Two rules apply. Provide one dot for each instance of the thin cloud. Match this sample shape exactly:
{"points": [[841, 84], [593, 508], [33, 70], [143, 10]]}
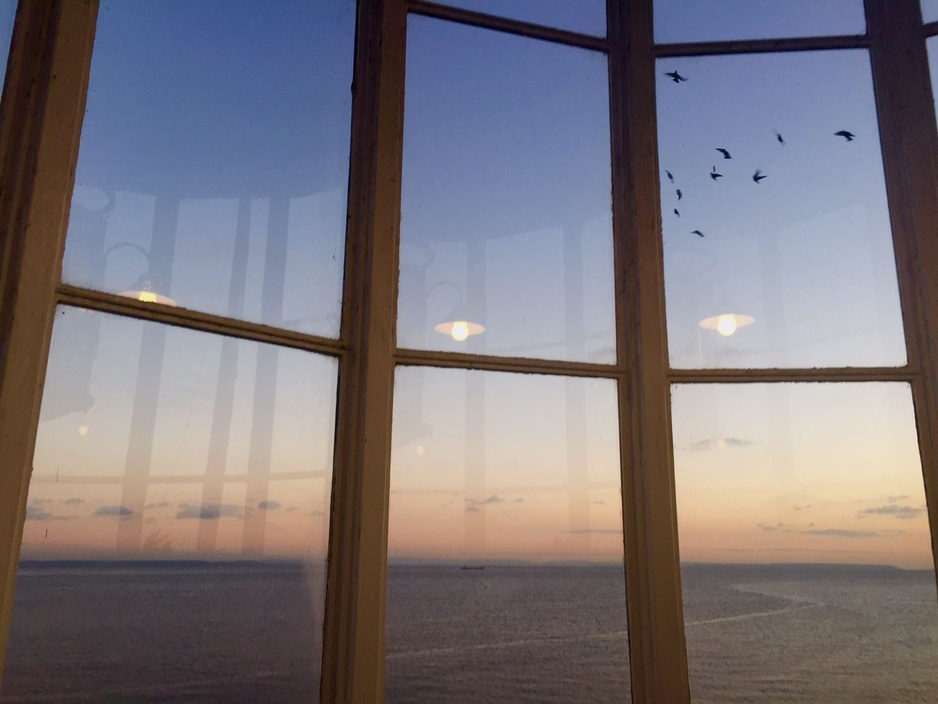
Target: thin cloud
{"points": [[120, 512], [37, 513], [159, 504], [895, 510], [74, 502], [493, 499], [801, 507], [774, 527], [473, 509], [841, 533], [720, 443], [896, 499], [519, 500], [209, 512], [269, 505]]}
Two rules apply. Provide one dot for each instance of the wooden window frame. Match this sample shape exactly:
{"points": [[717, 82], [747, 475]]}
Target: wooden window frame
{"points": [[40, 124]]}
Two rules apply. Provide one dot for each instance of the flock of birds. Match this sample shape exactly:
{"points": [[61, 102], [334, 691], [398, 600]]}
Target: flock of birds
{"points": [[715, 175]]}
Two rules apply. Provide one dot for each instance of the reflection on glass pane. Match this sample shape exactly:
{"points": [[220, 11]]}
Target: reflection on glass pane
{"points": [[505, 581], [506, 215], [805, 546], [7, 15], [586, 16], [789, 229], [933, 67], [719, 20], [214, 177], [180, 497]]}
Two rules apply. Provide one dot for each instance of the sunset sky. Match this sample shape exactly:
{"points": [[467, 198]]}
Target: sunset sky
{"points": [[241, 155]]}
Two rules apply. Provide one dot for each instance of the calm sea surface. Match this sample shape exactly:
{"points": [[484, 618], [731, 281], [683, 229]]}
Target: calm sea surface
{"points": [[249, 633]]}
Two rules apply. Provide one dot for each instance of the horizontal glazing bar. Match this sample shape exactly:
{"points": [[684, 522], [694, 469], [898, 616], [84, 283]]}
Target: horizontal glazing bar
{"points": [[755, 46], [457, 360], [751, 376], [195, 320], [501, 24]]}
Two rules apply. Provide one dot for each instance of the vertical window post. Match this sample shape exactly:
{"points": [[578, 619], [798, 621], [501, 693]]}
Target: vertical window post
{"points": [[910, 160], [653, 581], [353, 661], [43, 107]]}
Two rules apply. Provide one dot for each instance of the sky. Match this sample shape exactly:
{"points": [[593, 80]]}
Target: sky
{"points": [[7, 14], [220, 179]]}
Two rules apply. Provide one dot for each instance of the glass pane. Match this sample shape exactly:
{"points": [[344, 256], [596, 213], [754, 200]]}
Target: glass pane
{"points": [[805, 547], [585, 16], [505, 581], [930, 10], [781, 254], [721, 20], [214, 158], [7, 16], [933, 67], [177, 522], [506, 212]]}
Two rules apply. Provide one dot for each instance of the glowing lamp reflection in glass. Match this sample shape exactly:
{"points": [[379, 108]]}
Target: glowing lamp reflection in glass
{"points": [[727, 323], [459, 330], [146, 294]]}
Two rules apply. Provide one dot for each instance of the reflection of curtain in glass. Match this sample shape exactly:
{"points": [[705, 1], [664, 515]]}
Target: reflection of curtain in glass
{"points": [[265, 379], [147, 390], [575, 392], [224, 391], [71, 375], [475, 536]]}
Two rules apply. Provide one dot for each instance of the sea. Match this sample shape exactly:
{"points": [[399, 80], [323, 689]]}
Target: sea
{"points": [[250, 632]]}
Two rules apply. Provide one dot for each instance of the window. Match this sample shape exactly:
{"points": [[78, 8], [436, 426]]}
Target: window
{"points": [[399, 350]]}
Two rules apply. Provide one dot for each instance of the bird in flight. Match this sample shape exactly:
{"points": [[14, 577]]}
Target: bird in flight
{"points": [[758, 176], [714, 175], [670, 176], [724, 152], [677, 212], [679, 194], [675, 76], [779, 137], [697, 232], [846, 135]]}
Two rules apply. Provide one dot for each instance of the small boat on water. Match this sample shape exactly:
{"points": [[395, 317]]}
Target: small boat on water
{"points": [[472, 567]]}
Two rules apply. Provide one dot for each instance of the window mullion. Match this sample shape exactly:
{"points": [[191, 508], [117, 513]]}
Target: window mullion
{"points": [[910, 161], [653, 583], [353, 649], [42, 115]]}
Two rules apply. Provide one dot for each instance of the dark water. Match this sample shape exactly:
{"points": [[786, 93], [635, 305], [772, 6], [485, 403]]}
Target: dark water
{"points": [[250, 633], [173, 633]]}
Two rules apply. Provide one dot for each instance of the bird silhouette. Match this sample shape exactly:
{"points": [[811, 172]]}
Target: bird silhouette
{"points": [[679, 194], [758, 176], [778, 136], [677, 212], [846, 135], [724, 152], [675, 76], [714, 175], [670, 176], [697, 232]]}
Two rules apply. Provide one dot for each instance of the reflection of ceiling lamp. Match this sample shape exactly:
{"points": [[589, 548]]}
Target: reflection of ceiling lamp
{"points": [[143, 292], [457, 324], [459, 329], [727, 323], [142, 288]]}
